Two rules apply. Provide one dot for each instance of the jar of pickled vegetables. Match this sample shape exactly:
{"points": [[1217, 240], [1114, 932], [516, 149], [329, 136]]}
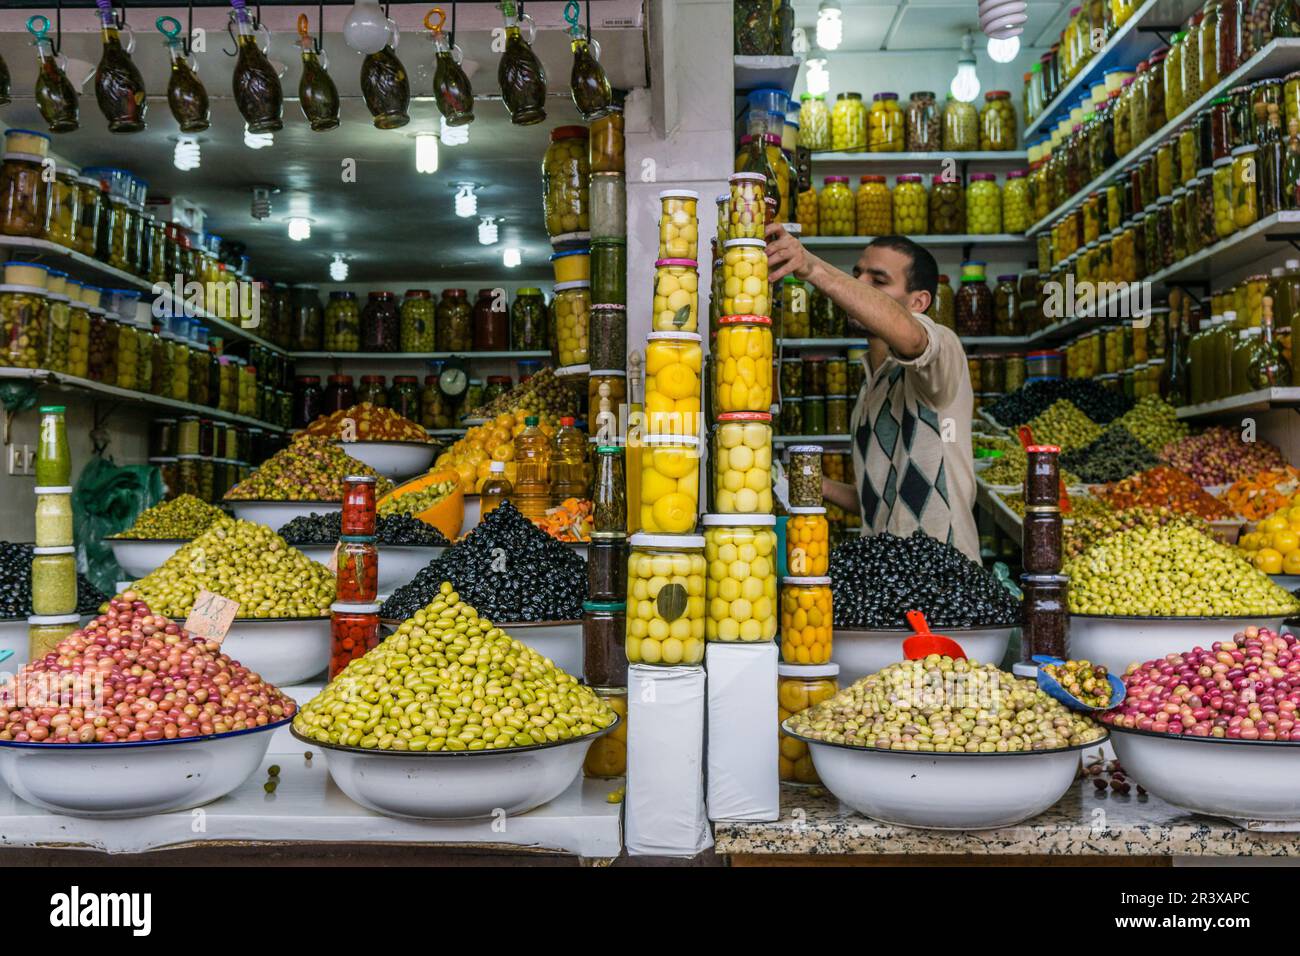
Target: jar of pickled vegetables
{"points": [[454, 322], [65, 208], [849, 122], [572, 304], [806, 620], [23, 311], [527, 321], [1207, 42], [608, 198], [127, 355], [1231, 37], [885, 124], [1245, 185], [605, 149], [1155, 91], [924, 123], [1225, 219], [417, 317], [676, 302], [24, 196], [805, 213], [941, 307], [89, 199], [380, 323], [792, 416], [678, 224], [997, 121], [807, 541], [607, 756], [911, 205], [744, 276], [672, 386], [835, 213], [747, 206], [565, 169], [947, 207], [961, 126], [795, 306], [741, 589], [973, 307], [342, 323], [814, 123], [1016, 213], [742, 356], [666, 581], [983, 204], [874, 207], [800, 686], [742, 463]]}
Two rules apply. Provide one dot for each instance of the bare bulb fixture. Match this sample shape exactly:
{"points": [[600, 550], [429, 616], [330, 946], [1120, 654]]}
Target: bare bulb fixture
{"points": [[830, 25], [339, 268], [367, 28], [257, 140], [261, 206], [1003, 51], [511, 257], [819, 79], [965, 85], [466, 201], [454, 135], [426, 153], [487, 231], [187, 155], [299, 228]]}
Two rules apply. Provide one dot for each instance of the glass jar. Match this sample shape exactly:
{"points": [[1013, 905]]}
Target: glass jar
{"points": [[404, 396], [608, 198], [46, 631], [911, 205], [744, 278], [24, 196], [1173, 76], [1229, 43], [924, 130], [23, 312], [835, 213], [308, 400], [791, 374], [874, 207], [742, 463], [373, 391], [973, 307], [1137, 110], [849, 122], [417, 321], [605, 146], [454, 322], [1245, 186], [607, 336], [607, 756], [342, 323], [997, 121], [381, 323], [961, 126], [491, 321], [741, 589], [1017, 216], [1208, 42], [354, 630], [814, 376], [676, 302], [814, 123], [54, 580], [672, 383], [89, 199], [1206, 205], [128, 355], [798, 688], [885, 124], [742, 356], [340, 394], [1008, 318], [806, 620], [792, 416], [947, 207], [564, 182], [609, 271], [795, 308], [942, 307], [572, 303], [678, 225], [837, 414], [64, 208], [436, 410], [1165, 179], [666, 580], [306, 326], [1224, 205], [983, 204], [528, 330], [746, 206], [1155, 91]]}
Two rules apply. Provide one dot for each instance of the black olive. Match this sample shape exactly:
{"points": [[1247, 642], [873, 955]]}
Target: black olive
{"points": [[16, 584], [389, 529], [1093, 399]]}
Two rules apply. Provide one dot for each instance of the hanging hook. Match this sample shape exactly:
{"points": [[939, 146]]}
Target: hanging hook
{"points": [[588, 12], [572, 13], [189, 29], [38, 32], [320, 26], [442, 19], [451, 38]]}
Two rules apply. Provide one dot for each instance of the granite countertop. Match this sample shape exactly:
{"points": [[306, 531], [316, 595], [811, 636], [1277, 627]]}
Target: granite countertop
{"points": [[1083, 823]]}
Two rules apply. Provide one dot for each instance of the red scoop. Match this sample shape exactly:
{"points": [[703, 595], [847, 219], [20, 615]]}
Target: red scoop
{"points": [[922, 643], [1026, 440]]}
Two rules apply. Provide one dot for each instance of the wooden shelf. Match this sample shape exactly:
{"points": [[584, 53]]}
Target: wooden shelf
{"points": [[415, 356], [1256, 401]]}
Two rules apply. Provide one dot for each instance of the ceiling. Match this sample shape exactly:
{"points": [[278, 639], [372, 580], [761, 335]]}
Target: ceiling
{"points": [[392, 222], [873, 25]]}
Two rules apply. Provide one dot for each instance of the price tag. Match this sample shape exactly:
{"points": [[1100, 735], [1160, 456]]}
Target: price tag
{"points": [[211, 616]]}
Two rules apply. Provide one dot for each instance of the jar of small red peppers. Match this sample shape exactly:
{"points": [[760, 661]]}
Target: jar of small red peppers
{"points": [[357, 579], [358, 505], [354, 630]]}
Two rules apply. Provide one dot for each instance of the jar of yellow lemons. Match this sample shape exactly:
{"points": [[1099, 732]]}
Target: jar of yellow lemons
{"points": [[744, 278], [742, 357], [676, 304], [672, 383], [665, 599], [742, 463], [798, 687], [806, 620], [670, 483], [741, 588]]}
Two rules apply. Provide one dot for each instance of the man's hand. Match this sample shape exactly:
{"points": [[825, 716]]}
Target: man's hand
{"points": [[786, 255]]}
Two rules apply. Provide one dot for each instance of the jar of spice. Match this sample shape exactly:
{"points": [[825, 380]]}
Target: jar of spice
{"points": [[604, 626]]}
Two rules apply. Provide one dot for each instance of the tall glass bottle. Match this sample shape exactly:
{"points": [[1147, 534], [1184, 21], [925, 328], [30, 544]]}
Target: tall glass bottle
{"points": [[532, 470], [520, 73], [317, 94], [496, 489], [256, 83], [55, 96], [588, 83], [4, 81], [119, 87], [568, 463], [1269, 368], [186, 96], [386, 89], [1291, 167], [451, 86], [1175, 370]]}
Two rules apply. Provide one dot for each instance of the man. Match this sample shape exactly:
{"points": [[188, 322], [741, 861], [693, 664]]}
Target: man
{"points": [[911, 421]]}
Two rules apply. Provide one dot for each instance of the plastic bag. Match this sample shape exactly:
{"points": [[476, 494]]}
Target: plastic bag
{"points": [[107, 499]]}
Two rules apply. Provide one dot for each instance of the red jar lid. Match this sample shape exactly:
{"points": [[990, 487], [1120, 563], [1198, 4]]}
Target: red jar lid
{"points": [[499, 380], [1017, 173], [910, 178], [309, 379], [938, 179], [419, 294], [485, 293], [1043, 449], [382, 296], [996, 95], [372, 380], [340, 379], [430, 380], [405, 380], [454, 293], [745, 417], [744, 320], [835, 179], [983, 177], [568, 132], [872, 179]]}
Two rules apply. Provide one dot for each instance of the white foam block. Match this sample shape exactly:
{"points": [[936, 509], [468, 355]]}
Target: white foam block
{"points": [[664, 805], [742, 732]]}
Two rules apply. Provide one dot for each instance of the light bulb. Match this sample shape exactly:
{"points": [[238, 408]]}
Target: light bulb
{"points": [[487, 231], [187, 155], [339, 268], [1003, 51], [454, 135], [830, 28], [965, 85], [466, 201], [819, 80], [299, 228], [257, 140], [426, 153], [511, 257], [366, 28]]}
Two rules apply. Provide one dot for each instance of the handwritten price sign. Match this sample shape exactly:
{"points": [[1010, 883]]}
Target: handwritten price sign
{"points": [[211, 616]]}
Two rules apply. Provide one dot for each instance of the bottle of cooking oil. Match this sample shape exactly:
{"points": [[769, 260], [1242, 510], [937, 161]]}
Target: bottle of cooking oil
{"points": [[496, 489], [568, 463], [532, 470]]}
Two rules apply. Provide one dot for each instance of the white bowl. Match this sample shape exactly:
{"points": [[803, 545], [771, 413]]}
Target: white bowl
{"points": [[1239, 779], [133, 779], [283, 650], [456, 785], [1288, 582], [140, 556], [398, 563], [473, 514], [393, 459], [561, 641], [863, 652], [277, 514], [13, 637], [955, 791], [1117, 642]]}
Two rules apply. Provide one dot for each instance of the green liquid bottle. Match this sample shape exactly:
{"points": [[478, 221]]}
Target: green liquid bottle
{"points": [[53, 459]]}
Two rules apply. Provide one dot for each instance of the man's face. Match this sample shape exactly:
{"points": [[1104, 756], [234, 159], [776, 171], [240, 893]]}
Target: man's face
{"points": [[886, 270]]}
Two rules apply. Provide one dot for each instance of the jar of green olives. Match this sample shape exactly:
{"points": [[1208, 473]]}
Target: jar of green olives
{"points": [[454, 325], [24, 196], [528, 321], [565, 169], [418, 313], [22, 326], [343, 323]]}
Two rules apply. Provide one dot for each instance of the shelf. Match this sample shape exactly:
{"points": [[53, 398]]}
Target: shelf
{"points": [[994, 341], [753, 72], [811, 439], [1278, 57], [1006, 519], [1011, 157], [1243, 248], [412, 356], [72, 383], [446, 432], [1256, 401], [964, 239], [823, 343]]}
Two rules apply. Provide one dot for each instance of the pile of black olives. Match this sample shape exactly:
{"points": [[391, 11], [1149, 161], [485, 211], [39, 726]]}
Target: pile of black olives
{"points": [[1027, 402], [389, 529], [16, 584], [1114, 455]]}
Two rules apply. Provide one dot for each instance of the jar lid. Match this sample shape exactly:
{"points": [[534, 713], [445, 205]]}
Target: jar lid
{"points": [[756, 243], [644, 539], [343, 294], [345, 607], [62, 549], [1017, 173], [670, 439], [673, 336], [808, 670], [805, 449], [1243, 150], [806, 582], [608, 372], [607, 607], [1043, 449], [747, 178], [24, 157], [609, 450], [372, 379], [746, 320], [53, 489], [806, 510], [871, 179], [741, 521], [941, 179], [745, 417], [580, 251], [22, 288], [340, 379], [679, 194], [39, 619], [835, 179], [608, 307], [567, 286], [1225, 160], [423, 293], [909, 178], [568, 132], [689, 263], [380, 294], [983, 177]]}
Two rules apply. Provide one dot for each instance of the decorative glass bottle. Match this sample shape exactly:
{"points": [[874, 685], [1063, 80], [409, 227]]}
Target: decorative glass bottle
{"points": [[55, 96], [317, 94], [186, 96], [256, 82], [119, 87], [451, 87], [520, 73]]}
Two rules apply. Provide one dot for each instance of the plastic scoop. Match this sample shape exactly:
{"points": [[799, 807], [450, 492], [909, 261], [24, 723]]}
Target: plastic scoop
{"points": [[923, 643], [1052, 686], [1026, 442]]}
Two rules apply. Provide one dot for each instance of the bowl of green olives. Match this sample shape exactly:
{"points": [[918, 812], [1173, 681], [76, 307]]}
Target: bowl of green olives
{"points": [[860, 651], [283, 650]]}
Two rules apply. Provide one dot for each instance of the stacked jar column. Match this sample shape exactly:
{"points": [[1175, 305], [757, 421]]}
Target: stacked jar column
{"points": [[354, 617], [54, 565], [1044, 610], [604, 614], [607, 323]]}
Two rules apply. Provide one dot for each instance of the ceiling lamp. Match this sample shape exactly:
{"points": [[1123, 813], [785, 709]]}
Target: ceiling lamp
{"points": [[339, 268], [299, 228], [511, 257], [187, 154], [818, 79], [426, 152], [487, 231], [1003, 51], [257, 140], [466, 201], [261, 205], [367, 29], [830, 28], [965, 85], [454, 135], [1003, 19]]}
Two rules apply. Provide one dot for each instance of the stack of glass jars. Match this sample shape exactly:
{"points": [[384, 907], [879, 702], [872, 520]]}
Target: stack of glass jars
{"points": [[54, 564], [805, 611], [354, 617]]}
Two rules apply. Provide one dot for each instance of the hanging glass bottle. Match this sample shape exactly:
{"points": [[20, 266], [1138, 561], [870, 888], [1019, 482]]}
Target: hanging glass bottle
{"points": [[119, 87], [317, 94], [385, 86], [587, 82], [520, 73], [256, 82], [4, 81], [55, 96], [186, 96], [451, 89]]}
